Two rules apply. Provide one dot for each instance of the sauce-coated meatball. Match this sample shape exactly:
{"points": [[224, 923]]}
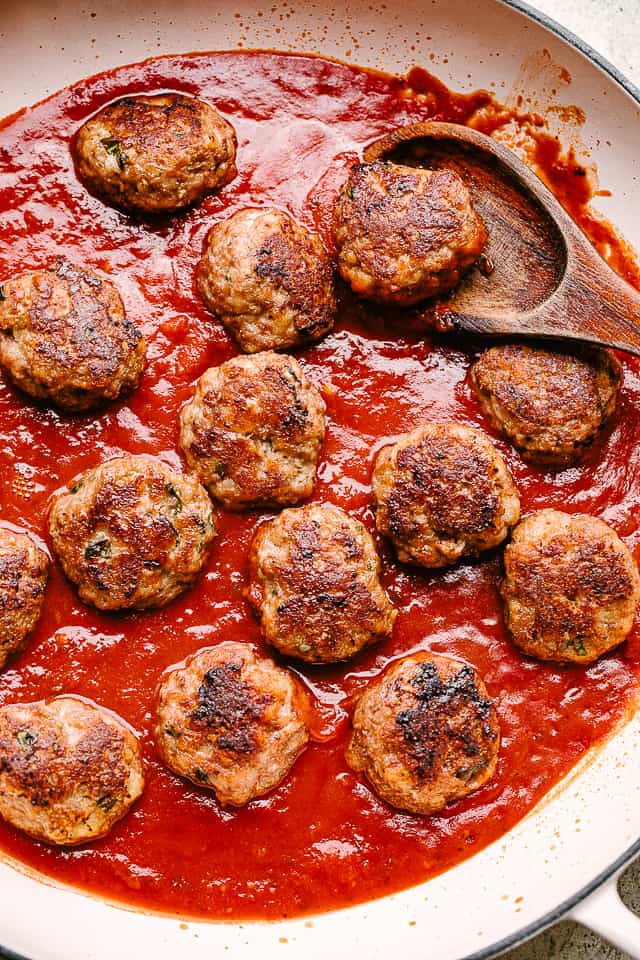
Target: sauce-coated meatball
{"points": [[425, 733], [132, 533], [443, 492], [231, 722], [551, 404], [23, 577], [405, 234], [69, 769], [268, 280], [64, 337], [253, 431], [156, 154], [315, 585], [571, 587]]}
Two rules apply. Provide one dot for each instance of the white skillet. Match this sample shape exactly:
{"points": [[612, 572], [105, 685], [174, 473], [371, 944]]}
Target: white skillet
{"points": [[565, 857]]}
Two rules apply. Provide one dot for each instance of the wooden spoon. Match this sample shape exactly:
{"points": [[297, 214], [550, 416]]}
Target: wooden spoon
{"points": [[547, 279]]}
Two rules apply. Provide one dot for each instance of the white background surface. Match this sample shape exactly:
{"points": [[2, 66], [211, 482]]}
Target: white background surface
{"points": [[612, 27]]}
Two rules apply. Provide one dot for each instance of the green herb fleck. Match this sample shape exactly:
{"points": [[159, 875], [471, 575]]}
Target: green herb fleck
{"points": [[171, 731], [98, 550], [349, 192], [439, 455], [107, 802], [26, 739], [200, 775], [3, 295], [112, 146], [578, 645], [179, 133], [176, 504]]}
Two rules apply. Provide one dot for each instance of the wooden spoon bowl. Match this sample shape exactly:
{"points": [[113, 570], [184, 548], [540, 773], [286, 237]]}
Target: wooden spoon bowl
{"points": [[545, 279]]}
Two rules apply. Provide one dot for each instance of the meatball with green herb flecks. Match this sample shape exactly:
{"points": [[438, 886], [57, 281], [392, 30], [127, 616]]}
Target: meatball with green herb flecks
{"points": [[69, 769], [571, 587], [132, 533], [24, 568], [425, 733], [314, 582], [253, 432], [155, 154], [65, 338], [231, 721]]}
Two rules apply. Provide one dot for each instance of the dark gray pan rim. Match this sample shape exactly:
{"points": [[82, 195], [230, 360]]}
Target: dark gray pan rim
{"points": [[548, 919]]}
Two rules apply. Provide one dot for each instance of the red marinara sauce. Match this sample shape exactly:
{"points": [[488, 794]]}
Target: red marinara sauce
{"points": [[322, 839]]}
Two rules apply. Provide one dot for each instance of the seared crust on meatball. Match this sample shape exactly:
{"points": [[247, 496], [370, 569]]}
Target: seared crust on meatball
{"points": [[132, 533], [314, 582], [232, 722], [69, 769], [24, 568], [443, 492], [253, 432], [156, 154], [571, 587], [550, 403], [404, 233], [64, 337], [268, 280], [425, 733]]}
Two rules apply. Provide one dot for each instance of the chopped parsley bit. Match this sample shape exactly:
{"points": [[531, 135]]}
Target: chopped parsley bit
{"points": [[106, 803], [3, 295], [179, 133], [349, 192], [578, 645], [171, 731], [200, 775], [112, 146], [176, 504], [26, 739], [98, 549]]}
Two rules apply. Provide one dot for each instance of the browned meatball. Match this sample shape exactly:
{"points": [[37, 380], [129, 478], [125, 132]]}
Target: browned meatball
{"points": [[253, 431], [268, 280], [132, 533], [69, 769], [24, 568], [550, 403], [571, 587], [425, 733], [403, 233], [64, 337], [443, 492], [315, 585], [156, 154], [232, 722]]}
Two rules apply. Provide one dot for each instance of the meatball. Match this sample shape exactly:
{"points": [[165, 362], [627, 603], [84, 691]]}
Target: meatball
{"points": [[403, 233], [253, 432], [64, 337], [571, 587], [24, 568], [314, 582], [132, 533], [550, 403], [425, 733], [268, 280], [69, 769], [443, 492], [232, 722], [156, 154]]}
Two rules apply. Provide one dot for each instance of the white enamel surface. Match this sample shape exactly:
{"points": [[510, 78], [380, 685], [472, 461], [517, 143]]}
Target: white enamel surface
{"points": [[579, 832]]}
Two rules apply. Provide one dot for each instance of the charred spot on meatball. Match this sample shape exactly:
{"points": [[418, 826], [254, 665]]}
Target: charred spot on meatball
{"points": [[132, 533], [314, 583], [155, 154], [253, 432], [268, 280], [68, 769], [24, 569], [65, 338], [405, 234], [443, 492], [571, 587], [550, 403], [231, 722], [425, 734]]}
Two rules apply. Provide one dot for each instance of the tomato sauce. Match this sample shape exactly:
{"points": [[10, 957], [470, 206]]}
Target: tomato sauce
{"points": [[321, 840]]}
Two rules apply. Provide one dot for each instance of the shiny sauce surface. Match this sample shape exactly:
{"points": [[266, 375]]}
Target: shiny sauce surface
{"points": [[322, 839]]}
